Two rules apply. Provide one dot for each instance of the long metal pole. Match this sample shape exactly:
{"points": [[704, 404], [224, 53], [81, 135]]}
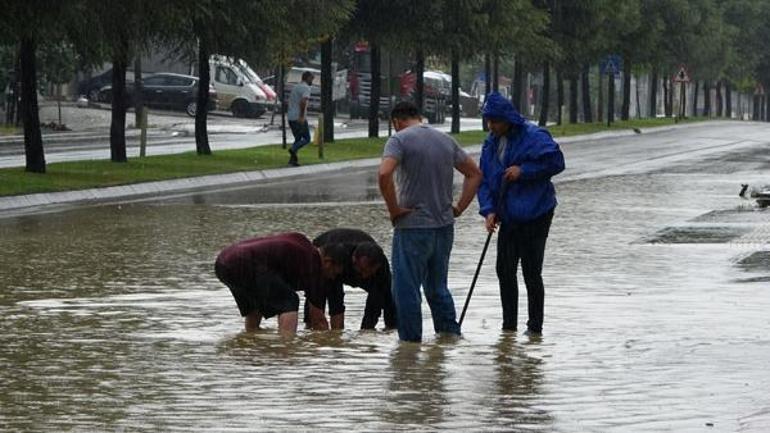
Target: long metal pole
{"points": [[500, 197], [475, 277]]}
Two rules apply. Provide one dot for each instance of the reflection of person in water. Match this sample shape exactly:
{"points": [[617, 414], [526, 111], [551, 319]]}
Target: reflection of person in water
{"points": [[417, 391], [519, 379]]}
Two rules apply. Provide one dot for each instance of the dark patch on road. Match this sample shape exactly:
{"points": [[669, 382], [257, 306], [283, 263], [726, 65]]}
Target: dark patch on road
{"points": [[757, 261], [697, 235]]}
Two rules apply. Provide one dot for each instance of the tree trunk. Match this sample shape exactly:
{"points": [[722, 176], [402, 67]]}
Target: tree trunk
{"points": [[610, 98], [118, 124], [545, 95], [58, 102], [496, 73], [573, 99], [728, 100], [766, 105], [654, 93], [327, 84], [625, 112], [755, 108], [487, 86], [600, 99], [282, 96], [138, 88], [695, 99], [667, 95], [419, 95], [517, 85], [201, 114], [707, 98], [374, 94], [559, 96], [33, 140], [455, 93], [17, 108], [719, 99], [588, 115]]}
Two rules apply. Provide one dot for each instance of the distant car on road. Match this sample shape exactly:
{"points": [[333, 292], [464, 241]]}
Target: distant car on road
{"points": [[166, 90]]}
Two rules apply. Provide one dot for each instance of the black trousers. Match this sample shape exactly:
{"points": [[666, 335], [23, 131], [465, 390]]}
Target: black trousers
{"points": [[523, 242]]}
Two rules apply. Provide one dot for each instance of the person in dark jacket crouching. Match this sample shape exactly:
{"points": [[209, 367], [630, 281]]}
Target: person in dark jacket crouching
{"points": [[518, 160], [366, 267]]}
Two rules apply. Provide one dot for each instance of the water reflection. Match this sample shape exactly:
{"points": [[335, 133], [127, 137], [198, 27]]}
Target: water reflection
{"points": [[519, 381], [416, 391]]}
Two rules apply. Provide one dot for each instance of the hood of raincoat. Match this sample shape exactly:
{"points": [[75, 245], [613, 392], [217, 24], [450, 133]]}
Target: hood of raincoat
{"points": [[499, 107]]}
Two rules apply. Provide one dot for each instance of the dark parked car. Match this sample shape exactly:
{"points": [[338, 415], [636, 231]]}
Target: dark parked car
{"points": [[90, 87], [166, 90]]}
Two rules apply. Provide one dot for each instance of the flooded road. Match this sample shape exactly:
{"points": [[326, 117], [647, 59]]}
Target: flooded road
{"points": [[657, 277]]}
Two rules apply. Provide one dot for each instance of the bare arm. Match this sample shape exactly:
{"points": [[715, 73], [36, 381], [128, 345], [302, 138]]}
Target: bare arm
{"points": [[338, 321], [318, 319], [302, 109], [471, 183], [388, 188]]}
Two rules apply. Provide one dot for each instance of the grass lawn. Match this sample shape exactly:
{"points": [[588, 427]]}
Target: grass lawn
{"points": [[9, 130], [66, 176]]}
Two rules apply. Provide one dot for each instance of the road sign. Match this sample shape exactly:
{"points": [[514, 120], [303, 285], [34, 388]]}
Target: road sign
{"points": [[682, 76], [759, 90], [610, 65]]}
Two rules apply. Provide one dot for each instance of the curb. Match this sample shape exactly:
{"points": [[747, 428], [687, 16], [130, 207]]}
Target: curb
{"points": [[41, 201]]}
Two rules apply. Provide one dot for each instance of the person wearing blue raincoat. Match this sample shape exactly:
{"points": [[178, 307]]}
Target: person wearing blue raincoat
{"points": [[518, 160]]}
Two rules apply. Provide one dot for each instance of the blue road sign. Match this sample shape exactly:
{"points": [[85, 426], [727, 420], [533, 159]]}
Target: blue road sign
{"points": [[611, 64]]}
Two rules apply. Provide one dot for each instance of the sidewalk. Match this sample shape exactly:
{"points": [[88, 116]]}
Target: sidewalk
{"points": [[42, 202]]}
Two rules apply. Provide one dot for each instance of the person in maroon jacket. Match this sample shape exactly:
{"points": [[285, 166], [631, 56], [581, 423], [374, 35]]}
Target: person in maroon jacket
{"points": [[265, 273]]}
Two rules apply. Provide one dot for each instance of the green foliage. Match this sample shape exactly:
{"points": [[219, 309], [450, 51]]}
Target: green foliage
{"points": [[57, 62]]}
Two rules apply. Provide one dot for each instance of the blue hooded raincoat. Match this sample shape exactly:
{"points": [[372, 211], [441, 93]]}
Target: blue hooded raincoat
{"points": [[532, 149]]}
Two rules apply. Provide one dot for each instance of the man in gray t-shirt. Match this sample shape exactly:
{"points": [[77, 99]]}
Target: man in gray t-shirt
{"points": [[299, 99], [423, 161]]}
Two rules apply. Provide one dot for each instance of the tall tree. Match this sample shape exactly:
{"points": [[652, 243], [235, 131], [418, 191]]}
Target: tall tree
{"points": [[121, 30], [28, 24]]}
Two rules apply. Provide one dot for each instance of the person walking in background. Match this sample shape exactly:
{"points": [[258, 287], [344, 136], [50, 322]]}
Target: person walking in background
{"points": [[299, 99], [423, 217], [518, 160]]}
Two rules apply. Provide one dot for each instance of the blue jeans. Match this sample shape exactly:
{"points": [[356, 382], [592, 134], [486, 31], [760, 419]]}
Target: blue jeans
{"points": [[421, 258], [301, 132]]}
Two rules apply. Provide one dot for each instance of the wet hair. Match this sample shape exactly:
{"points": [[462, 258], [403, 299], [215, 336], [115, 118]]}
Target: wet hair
{"points": [[306, 75], [405, 110], [371, 251], [337, 252]]}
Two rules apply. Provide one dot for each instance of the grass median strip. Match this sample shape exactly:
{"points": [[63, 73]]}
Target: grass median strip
{"points": [[68, 176]]}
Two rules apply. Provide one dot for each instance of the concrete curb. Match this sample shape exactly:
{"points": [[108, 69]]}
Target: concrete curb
{"points": [[44, 201], [31, 203]]}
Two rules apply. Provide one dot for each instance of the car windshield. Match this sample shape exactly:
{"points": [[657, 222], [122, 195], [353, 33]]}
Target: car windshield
{"points": [[249, 75]]}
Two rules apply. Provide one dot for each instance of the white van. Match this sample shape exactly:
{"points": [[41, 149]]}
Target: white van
{"points": [[239, 88]]}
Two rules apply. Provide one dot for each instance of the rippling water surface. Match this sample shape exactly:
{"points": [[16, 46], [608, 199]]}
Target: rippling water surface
{"points": [[111, 319]]}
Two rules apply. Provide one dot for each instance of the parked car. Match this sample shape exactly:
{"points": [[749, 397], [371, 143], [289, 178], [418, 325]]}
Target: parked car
{"points": [[239, 88], [90, 87], [166, 90]]}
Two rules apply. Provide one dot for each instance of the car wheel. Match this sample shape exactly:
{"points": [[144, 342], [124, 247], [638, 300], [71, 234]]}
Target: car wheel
{"points": [[192, 108], [240, 108], [258, 112]]}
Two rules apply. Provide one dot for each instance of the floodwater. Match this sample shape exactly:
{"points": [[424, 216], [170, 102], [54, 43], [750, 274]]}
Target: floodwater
{"points": [[111, 318]]}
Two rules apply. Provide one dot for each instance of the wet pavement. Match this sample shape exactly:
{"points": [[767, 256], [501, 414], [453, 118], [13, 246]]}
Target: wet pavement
{"points": [[111, 318]]}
